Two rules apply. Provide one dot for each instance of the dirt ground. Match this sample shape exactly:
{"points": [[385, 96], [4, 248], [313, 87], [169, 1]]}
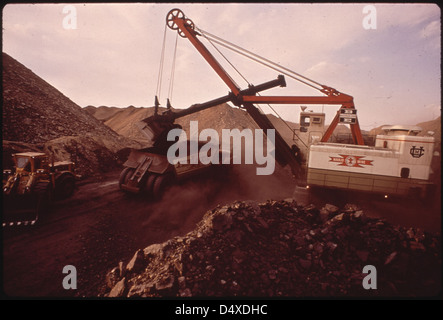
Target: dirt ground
{"points": [[100, 226]]}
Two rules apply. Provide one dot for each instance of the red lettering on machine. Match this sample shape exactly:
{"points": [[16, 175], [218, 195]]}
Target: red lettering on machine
{"points": [[351, 161]]}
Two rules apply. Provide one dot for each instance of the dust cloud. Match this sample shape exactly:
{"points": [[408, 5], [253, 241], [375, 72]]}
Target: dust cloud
{"points": [[183, 205]]}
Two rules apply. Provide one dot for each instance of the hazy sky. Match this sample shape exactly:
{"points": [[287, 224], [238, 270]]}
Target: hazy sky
{"points": [[112, 56]]}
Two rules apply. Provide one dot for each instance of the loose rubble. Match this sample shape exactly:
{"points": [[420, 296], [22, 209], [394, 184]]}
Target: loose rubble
{"points": [[282, 249]]}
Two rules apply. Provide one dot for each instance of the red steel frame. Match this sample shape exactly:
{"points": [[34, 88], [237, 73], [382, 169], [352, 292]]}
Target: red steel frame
{"points": [[332, 96]]}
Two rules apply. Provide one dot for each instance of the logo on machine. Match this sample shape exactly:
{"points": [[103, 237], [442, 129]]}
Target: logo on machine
{"points": [[417, 152], [351, 161]]}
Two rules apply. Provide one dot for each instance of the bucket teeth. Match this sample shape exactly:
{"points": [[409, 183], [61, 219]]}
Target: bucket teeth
{"points": [[19, 223]]}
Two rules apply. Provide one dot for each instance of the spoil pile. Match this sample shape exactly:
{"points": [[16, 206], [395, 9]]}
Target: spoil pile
{"points": [[36, 112], [37, 115], [279, 248], [223, 116]]}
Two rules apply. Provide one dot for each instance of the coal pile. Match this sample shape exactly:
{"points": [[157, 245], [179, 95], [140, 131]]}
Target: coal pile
{"points": [[223, 116], [36, 112], [282, 249], [37, 116], [90, 155]]}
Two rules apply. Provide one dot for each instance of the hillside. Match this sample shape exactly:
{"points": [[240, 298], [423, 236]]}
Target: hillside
{"points": [[224, 116], [122, 120], [432, 126], [219, 117], [36, 113], [102, 113]]}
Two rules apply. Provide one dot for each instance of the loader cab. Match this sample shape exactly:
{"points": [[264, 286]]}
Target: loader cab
{"points": [[30, 161]]}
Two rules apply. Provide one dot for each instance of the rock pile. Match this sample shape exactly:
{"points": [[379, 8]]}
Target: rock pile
{"points": [[38, 115], [36, 112], [223, 116], [281, 249]]}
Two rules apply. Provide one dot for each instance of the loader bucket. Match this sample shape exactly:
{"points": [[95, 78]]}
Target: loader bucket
{"points": [[26, 209], [19, 211]]}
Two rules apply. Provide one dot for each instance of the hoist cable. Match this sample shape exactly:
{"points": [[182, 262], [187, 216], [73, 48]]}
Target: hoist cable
{"points": [[284, 121], [258, 56], [171, 78], [210, 41], [227, 74], [160, 71], [214, 39], [230, 78], [226, 46], [255, 57], [232, 65], [267, 65]]}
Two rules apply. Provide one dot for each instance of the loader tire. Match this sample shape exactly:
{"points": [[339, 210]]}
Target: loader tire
{"points": [[43, 198], [65, 187]]}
